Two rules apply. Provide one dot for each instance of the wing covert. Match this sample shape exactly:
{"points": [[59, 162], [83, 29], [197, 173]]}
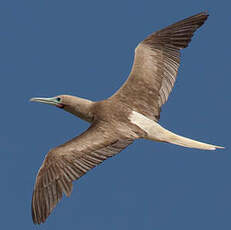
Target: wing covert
{"points": [[155, 66], [68, 162]]}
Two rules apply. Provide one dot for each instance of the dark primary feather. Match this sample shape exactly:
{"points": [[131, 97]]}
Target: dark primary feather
{"points": [[155, 67], [69, 162]]}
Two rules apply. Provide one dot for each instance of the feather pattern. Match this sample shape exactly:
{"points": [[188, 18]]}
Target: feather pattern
{"points": [[155, 66], [147, 88], [69, 162]]}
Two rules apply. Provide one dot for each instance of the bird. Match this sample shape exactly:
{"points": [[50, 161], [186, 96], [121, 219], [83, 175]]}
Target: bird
{"points": [[129, 114]]}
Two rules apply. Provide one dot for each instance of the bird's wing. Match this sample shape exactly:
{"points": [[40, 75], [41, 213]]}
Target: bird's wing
{"points": [[155, 66], [70, 161]]}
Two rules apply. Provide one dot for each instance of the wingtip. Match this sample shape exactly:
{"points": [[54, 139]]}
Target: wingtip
{"points": [[202, 15], [205, 12]]}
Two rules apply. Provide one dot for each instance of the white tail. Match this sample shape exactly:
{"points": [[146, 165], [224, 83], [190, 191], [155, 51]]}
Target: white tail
{"points": [[162, 134], [158, 133]]}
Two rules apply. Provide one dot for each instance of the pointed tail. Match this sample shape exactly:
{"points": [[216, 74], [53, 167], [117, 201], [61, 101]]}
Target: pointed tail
{"points": [[158, 133]]}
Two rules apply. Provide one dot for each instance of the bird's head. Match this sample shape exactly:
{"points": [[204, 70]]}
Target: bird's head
{"points": [[78, 106], [58, 101]]}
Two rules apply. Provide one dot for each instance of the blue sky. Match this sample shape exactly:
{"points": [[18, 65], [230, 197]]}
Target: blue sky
{"points": [[85, 48]]}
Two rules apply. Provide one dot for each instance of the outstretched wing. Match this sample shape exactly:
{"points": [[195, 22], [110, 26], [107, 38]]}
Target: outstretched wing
{"points": [[70, 161], [155, 66]]}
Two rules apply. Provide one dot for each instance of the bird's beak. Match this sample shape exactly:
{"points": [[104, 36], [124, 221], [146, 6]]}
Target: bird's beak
{"points": [[48, 100]]}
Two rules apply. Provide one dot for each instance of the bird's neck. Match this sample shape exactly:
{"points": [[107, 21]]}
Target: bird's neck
{"points": [[81, 108]]}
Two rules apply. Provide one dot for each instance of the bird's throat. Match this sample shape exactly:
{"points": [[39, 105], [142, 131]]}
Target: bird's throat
{"points": [[61, 106]]}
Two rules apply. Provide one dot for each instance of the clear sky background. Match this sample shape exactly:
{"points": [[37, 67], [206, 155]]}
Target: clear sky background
{"points": [[85, 48]]}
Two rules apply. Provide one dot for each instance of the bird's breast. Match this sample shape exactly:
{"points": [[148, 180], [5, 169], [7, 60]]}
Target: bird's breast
{"points": [[117, 114]]}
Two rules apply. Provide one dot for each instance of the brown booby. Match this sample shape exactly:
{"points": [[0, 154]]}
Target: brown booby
{"points": [[131, 113]]}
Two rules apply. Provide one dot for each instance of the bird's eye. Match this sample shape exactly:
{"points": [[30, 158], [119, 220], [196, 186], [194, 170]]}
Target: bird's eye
{"points": [[58, 99]]}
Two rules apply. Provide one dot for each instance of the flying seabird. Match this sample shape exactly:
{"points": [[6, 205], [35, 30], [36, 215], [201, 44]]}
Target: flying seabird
{"points": [[131, 113]]}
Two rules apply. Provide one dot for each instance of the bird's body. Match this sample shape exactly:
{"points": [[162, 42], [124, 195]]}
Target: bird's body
{"points": [[131, 113]]}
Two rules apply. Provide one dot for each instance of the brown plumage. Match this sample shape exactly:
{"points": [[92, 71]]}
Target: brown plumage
{"points": [[69, 162], [131, 113], [155, 67]]}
